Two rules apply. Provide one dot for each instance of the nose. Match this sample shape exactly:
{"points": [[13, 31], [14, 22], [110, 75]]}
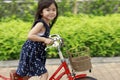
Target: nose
{"points": [[51, 12]]}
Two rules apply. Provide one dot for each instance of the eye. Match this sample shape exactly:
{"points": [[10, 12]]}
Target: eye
{"points": [[53, 9], [47, 9]]}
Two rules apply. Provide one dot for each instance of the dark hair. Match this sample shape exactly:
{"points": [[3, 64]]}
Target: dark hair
{"points": [[45, 4]]}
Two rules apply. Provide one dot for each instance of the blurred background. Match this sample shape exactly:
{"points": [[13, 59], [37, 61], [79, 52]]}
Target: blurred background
{"points": [[91, 23]]}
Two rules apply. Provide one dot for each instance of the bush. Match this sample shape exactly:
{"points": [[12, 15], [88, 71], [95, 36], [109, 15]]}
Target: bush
{"points": [[13, 34], [100, 34]]}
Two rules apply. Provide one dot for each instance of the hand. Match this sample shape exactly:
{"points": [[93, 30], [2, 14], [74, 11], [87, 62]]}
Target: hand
{"points": [[48, 41]]}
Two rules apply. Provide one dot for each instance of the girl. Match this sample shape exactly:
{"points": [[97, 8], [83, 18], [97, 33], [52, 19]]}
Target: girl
{"points": [[33, 54]]}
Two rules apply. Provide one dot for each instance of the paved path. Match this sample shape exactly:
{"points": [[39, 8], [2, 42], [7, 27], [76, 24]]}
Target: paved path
{"points": [[103, 68]]}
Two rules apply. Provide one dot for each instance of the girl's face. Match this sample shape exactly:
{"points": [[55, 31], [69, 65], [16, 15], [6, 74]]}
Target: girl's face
{"points": [[49, 13]]}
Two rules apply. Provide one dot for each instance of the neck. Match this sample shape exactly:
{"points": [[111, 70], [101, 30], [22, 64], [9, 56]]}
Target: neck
{"points": [[47, 21]]}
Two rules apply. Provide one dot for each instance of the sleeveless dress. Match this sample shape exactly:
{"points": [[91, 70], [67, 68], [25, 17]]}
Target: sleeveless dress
{"points": [[33, 56]]}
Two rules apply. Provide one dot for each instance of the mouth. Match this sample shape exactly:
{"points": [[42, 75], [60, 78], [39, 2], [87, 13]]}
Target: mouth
{"points": [[51, 17]]}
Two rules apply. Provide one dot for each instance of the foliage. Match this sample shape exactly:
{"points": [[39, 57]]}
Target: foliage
{"points": [[100, 33], [25, 10], [99, 7], [12, 36]]}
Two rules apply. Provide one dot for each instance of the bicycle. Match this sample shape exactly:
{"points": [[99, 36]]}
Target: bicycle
{"points": [[70, 75], [58, 42]]}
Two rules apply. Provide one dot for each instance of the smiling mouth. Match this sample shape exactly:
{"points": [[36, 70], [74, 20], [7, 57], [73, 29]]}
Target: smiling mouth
{"points": [[51, 16]]}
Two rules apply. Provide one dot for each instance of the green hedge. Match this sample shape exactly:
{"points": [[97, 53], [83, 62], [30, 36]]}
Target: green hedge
{"points": [[100, 34], [12, 36]]}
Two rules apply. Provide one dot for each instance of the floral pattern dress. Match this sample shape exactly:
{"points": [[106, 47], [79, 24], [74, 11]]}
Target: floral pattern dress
{"points": [[33, 56]]}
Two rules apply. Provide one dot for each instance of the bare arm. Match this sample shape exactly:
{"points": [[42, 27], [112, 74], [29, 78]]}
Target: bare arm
{"points": [[33, 34]]}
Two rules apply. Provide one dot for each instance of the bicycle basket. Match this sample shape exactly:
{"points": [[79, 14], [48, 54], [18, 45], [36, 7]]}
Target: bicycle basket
{"points": [[80, 63]]}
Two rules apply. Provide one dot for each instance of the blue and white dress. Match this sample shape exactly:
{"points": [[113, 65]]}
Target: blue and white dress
{"points": [[33, 56]]}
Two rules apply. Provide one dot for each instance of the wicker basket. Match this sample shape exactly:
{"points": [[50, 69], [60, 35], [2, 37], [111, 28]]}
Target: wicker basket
{"points": [[79, 63]]}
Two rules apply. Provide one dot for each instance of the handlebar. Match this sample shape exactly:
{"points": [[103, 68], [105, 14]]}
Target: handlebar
{"points": [[57, 43]]}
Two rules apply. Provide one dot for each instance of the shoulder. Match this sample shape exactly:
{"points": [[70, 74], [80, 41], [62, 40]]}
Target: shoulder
{"points": [[39, 24]]}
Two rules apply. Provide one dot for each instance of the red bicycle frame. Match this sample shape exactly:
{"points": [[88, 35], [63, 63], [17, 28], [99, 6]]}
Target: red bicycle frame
{"points": [[66, 71]]}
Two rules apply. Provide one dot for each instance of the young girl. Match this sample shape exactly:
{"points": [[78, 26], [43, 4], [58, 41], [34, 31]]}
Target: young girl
{"points": [[33, 54]]}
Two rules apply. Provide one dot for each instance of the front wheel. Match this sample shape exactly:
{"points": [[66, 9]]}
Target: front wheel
{"points": [[86, 78]]}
